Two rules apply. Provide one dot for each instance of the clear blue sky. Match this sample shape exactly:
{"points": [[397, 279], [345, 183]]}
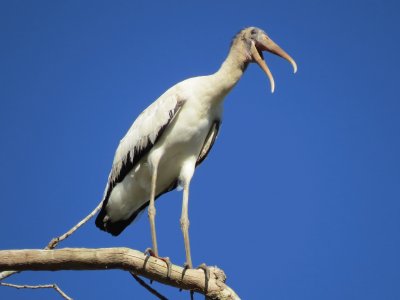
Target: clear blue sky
{"points": [[300, 197]]}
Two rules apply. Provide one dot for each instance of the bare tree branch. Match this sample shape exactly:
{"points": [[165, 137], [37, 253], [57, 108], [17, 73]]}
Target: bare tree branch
{"points": [[118, 258], [54, 242], [147, 287], [5, 274], [111, 258], [43, 286]]}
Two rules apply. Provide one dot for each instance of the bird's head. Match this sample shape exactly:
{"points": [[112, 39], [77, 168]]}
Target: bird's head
{"points": [[255, 41]]}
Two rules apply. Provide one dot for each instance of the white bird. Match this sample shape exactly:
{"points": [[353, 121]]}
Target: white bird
{"points": [[172, 136]]}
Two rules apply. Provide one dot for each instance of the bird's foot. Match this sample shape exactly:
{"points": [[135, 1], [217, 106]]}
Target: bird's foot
{"points": [[167, 261], [207, 275], [204, 267], [187, 265]]}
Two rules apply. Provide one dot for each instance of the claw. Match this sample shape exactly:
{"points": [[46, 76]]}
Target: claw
{"points": [[167, 261], [169, 265], [207, 275], [185, 267], [149, 252]]}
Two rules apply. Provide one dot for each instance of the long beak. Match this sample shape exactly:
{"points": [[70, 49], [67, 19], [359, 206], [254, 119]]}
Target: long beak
{"points": [[268, 45]]}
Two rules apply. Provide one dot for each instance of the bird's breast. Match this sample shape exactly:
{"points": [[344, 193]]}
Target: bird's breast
{"points": [[185, 136]]}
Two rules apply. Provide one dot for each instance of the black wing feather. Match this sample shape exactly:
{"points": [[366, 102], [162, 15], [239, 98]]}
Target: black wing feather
{"points": [[209, 142]]}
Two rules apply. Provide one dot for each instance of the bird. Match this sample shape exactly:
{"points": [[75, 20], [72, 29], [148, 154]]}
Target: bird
{"points": [[173, 136]]}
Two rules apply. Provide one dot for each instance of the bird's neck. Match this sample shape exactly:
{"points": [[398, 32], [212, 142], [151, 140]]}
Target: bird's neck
{"points": [[231, 70]]}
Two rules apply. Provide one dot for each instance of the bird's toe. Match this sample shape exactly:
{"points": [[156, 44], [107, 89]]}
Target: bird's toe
{"points": [[207, 272], [150, 252]]}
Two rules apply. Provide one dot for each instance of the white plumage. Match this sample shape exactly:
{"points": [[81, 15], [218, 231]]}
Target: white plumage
{"points": [[172, 136]]}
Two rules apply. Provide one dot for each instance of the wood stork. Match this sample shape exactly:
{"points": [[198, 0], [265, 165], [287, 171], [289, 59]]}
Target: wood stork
{"points": [[172, 136]]}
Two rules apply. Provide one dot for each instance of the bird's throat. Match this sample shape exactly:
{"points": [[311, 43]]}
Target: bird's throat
{"points": [[231, 70]]}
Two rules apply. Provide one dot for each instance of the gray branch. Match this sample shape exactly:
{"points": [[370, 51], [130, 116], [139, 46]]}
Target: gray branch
{"points": [[118, 258], [41, 286]]}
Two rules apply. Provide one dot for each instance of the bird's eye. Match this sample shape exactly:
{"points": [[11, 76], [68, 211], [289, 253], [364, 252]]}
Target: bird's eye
{"points": [[253, 32]]}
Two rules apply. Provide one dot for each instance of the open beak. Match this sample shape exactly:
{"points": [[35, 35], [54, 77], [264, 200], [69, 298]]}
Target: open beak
{"points": [[266, 44]]}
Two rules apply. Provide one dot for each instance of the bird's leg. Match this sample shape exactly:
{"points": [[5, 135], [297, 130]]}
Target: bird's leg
{"points": [[152, 214], [185, 225], [152, 209]]}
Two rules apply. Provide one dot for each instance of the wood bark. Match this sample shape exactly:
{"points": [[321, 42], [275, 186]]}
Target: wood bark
{"points": [[118, 258]]}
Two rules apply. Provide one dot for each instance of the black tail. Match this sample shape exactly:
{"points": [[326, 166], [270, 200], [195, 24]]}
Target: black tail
{"points": [[104, 222]]}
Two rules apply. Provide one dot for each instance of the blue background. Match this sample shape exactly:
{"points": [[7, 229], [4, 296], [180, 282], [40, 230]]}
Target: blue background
{"points": [[300, 197]]}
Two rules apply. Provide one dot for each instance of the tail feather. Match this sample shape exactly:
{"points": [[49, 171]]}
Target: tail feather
{"points": [[104, 222]]}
